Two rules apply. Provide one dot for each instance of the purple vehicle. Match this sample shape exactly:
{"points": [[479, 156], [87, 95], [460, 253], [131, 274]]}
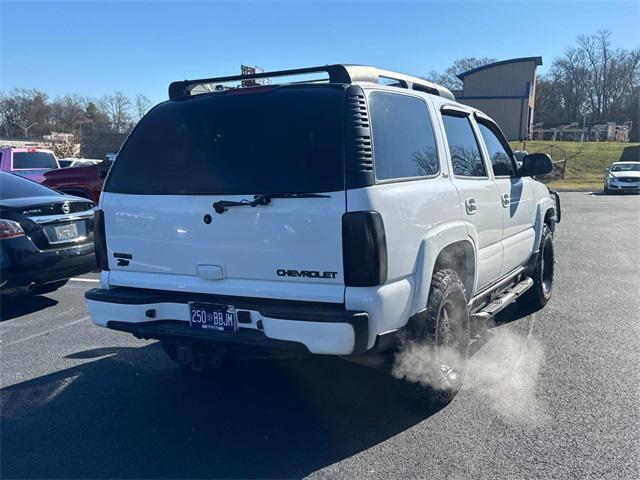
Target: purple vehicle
{"points": [[27, 162]]}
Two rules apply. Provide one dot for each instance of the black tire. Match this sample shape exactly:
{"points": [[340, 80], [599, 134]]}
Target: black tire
{"points": [[444, 326], [48, 288], [171, 349], [542, 275], [605, 190]]}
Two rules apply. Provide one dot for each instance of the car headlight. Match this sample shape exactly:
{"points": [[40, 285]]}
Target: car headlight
{"points": [[612, 178]]}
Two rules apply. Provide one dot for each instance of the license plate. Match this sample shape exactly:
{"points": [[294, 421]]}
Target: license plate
{"points": [[209, 316], [67, 231]]}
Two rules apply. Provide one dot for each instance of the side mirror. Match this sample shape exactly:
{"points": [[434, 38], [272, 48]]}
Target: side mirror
{"points": [[536, 164]]}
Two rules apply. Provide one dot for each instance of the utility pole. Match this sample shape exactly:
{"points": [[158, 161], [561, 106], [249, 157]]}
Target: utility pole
{"points": [[26, 128]]}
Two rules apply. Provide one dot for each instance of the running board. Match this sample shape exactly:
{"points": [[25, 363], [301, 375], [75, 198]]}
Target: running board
{"points": [[480, 318]]}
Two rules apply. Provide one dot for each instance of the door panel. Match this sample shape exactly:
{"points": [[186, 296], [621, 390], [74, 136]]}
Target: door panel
{"points": [[518, 219], [478, 194], [517, 197]]}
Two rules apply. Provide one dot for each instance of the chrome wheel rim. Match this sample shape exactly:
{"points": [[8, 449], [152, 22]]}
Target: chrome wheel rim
{"points": [[447, 346]]}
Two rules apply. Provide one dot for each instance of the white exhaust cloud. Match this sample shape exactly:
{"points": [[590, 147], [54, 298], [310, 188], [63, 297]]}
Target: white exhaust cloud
{"points": [[503, 373]]}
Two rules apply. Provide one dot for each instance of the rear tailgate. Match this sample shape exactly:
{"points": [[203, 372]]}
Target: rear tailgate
{"points": [[161, 228]]}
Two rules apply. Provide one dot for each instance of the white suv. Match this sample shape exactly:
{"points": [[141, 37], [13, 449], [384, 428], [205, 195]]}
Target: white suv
{"points": [[318, 218]]}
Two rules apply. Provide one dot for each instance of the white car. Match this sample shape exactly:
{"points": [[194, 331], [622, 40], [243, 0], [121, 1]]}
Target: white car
{"points": [[622, 176], [320, 218], [78, 162]]}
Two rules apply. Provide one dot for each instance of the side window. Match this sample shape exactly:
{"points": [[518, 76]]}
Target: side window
{"points": [[499, 155], [403, 141], [463, 146]]}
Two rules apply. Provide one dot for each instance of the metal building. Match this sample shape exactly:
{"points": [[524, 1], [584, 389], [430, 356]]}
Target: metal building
{"points": [[506, 92]]}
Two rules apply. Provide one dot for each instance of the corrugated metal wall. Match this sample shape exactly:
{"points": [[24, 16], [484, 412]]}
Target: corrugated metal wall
{"points": [[501, 80], [506, 112], [505, 92]]}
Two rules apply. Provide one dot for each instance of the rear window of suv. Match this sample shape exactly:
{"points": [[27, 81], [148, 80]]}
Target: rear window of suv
{"points": [[286, 140], [34, 160]]}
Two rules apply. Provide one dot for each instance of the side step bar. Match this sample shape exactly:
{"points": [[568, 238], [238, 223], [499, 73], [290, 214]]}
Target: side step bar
{"points": [[480, 318]]}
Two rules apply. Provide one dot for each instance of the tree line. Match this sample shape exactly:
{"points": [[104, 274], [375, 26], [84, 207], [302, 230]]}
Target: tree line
{"points": [[29, 113], [592, 82]]}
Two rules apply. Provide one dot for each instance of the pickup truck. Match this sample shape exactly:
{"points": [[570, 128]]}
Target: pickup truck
{"points": [[85, 182]]}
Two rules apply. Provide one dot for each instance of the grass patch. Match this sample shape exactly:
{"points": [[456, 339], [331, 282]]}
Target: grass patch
{"points": [[585, 163]]}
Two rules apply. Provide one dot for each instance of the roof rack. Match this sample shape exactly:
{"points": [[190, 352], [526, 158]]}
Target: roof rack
{"points": [[337, 74]]}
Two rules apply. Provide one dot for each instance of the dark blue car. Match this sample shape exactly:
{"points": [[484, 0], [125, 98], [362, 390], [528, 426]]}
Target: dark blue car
{"points": [[46, 237]]}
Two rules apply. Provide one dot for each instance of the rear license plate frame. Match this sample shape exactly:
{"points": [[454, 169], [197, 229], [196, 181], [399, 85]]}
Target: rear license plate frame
{"points": [[215, 317]]}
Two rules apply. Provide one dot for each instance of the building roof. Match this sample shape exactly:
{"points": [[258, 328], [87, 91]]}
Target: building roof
{"points": [[537, 60]]}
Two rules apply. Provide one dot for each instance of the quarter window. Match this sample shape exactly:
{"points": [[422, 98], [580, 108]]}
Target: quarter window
{"points": [[500, 158], [403, 142], [463, 147]]}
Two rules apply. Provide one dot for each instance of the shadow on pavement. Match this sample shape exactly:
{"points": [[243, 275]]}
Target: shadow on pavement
{"points": [[13, 307], [512, 313], [134, 414]]}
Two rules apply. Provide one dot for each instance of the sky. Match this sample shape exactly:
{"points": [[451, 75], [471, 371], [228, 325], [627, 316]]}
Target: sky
{"points": [[94, 48]]}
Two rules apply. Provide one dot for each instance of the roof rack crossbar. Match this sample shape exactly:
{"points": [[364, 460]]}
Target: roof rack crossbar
{"points": [[337, 74]]}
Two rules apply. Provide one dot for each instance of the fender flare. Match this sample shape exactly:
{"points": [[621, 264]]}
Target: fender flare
{"points": [[544, 205], [431, 246]]}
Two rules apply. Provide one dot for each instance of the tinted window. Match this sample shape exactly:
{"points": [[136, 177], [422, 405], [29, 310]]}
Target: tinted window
{"points": [[239, 142], [498, 154], [34, 160], [465, 154], [403, 141], [13, 186]]}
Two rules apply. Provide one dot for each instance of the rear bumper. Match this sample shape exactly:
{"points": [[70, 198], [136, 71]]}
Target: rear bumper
{"points": [[271, 325], [23, 265]]}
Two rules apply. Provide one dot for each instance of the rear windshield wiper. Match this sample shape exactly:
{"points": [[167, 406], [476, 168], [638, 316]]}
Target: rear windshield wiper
{"points": [[222, 206]]}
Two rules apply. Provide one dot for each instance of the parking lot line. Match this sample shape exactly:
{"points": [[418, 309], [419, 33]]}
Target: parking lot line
{"points": [[46, 332], [90, 280]]}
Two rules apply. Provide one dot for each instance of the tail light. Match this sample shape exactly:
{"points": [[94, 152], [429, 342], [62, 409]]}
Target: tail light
{"points": [[99, 240], [364, 249], [10, 229]]}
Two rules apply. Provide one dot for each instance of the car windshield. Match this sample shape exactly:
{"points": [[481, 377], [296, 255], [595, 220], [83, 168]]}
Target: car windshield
{"points": [[626, 167], [286, 140], [34, 160], [13, 186]]}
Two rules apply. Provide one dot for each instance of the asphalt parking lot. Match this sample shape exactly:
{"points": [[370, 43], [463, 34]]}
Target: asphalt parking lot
{"points": [[562, 400]]}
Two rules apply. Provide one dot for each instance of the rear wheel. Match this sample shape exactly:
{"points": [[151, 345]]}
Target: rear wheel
{"points": [[540, 292], [171, 349], [440, 339]]}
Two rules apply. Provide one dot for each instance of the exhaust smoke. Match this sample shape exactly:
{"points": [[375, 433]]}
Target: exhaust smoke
{"points": [[503, 373]]}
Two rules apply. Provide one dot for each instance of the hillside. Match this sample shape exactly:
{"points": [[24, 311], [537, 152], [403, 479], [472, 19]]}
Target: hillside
{"points": [[586, 161]]}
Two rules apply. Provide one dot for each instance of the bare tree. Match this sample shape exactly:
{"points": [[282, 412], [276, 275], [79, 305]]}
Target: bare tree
{"points": [[449, 78], [592, 80], [24, 112], [67, 113], [142, 105], [118, 107]]}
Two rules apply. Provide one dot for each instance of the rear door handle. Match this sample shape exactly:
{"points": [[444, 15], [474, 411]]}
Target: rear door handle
{"points": [[505, 200], [470, 204]]}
